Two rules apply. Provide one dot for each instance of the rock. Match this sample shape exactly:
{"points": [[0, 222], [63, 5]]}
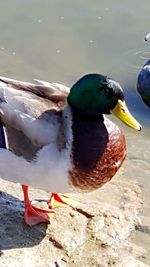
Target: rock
{"points": [[68, 229], [97, 233]]}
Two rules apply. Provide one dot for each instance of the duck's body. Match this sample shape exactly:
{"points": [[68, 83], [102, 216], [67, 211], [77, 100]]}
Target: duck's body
{"points": [[57, 148], [143, 80], [49, 143], [143, 83]]}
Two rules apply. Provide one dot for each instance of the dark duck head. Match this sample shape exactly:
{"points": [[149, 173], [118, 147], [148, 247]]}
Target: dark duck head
{"points": [[96, 94]]}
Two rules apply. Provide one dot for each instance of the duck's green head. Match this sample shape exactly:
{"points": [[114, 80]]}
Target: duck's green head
{"points": [[96, 94]]}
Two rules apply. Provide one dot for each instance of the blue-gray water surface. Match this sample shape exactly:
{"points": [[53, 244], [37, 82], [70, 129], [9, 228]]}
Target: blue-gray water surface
{"points": [[61, 40]]}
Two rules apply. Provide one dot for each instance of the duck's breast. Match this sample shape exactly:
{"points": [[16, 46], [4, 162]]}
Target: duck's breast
{"points": [[99, 150]]}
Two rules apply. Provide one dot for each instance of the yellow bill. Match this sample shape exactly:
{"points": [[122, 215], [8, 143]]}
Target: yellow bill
{"points": [[121, 111]]}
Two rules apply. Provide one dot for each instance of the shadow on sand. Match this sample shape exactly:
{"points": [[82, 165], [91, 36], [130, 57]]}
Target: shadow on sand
{"points": [[14, 233]]}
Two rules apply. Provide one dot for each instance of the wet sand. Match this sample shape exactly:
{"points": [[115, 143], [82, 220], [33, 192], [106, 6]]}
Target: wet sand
{"points": [[137, 167]]}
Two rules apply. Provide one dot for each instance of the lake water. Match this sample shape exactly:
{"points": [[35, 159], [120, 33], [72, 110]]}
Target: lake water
{"points": [[61, 40]]}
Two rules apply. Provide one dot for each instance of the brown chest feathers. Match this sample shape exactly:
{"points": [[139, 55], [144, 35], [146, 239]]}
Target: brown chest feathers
{"points": [[99, 149]]}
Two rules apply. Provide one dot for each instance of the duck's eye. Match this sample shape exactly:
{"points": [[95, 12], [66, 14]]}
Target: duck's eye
{"points": [[105, 90], [123, 110]]}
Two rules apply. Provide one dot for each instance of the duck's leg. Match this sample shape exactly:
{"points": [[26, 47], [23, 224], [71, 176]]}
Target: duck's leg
{"points": [[62, 200], [33, 215]]}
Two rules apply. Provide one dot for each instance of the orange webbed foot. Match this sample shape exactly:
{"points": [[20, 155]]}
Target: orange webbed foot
{"points": [[34, 215], [62, 200]]}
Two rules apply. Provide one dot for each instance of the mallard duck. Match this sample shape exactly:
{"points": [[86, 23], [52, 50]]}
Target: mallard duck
{"points": [[143, 80], [56, 138]]}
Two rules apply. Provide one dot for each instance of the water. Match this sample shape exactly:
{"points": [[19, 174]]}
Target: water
{"points": [[61, 40]]}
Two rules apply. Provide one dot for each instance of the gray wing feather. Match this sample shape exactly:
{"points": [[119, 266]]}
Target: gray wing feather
{"points": [[40, 101]]}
